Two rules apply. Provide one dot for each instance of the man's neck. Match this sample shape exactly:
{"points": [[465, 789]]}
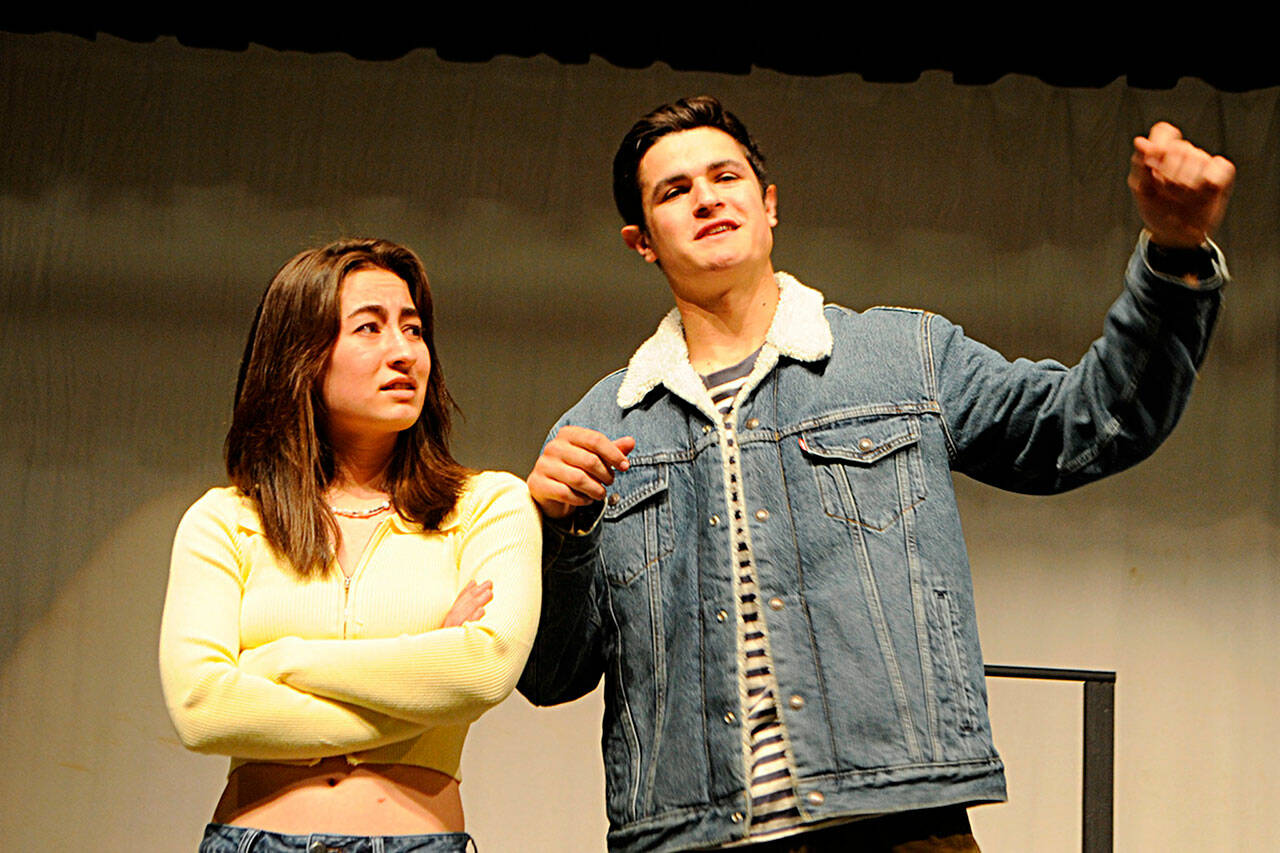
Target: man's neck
{"points": [[726, 322]]}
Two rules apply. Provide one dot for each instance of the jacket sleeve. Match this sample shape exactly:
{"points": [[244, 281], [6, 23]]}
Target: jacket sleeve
{"points": [[218, 707], [1040, 427], [568, 656], [445, 676]]}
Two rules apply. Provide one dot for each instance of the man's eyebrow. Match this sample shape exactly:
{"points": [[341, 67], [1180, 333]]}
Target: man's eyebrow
{"points": [[710, 167], [720, 164], [666, 182]]}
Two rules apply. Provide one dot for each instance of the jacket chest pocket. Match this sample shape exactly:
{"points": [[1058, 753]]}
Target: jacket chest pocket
{"points": [[638, 530], [868, 470]]}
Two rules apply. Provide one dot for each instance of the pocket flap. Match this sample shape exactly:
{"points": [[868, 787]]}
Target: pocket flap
{"points": [[633, 487], [863, 441]]}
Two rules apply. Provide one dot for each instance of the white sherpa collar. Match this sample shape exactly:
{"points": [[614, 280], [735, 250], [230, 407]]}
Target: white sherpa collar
{"points": [[798, 331]]}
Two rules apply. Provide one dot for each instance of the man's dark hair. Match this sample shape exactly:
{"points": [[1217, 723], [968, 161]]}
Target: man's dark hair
{"points": [[684, 114]]}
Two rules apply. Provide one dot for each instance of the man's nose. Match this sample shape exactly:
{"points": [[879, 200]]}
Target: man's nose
{"points": [[706, 194]]}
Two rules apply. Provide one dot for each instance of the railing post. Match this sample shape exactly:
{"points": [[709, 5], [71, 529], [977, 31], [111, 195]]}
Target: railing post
{"points": [[1099, 766], [1097, 798]]}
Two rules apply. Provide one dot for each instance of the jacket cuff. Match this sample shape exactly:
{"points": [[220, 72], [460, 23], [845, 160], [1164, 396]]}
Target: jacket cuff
{"points": [[1201, 268], [576, 534]]}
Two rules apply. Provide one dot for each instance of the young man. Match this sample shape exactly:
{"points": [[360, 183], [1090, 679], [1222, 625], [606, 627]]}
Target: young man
{"points": [[751, 531]]}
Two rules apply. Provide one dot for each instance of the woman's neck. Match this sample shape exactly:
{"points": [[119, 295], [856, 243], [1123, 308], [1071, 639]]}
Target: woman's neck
{"points": [[360, 469]]}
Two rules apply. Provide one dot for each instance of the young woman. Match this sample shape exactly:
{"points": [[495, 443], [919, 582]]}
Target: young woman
{"points": [[338, 616]]}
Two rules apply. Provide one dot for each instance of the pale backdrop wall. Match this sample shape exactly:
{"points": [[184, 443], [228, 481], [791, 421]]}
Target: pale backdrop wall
{"points": [[148, 191]]}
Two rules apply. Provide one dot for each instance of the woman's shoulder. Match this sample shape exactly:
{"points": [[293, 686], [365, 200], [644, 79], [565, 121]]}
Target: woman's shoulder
{"points": [[494, 481], [227, 507], [488, 492]]}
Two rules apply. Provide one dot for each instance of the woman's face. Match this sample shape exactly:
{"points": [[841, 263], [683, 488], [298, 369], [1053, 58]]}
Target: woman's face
{"points": [[376, 379]]}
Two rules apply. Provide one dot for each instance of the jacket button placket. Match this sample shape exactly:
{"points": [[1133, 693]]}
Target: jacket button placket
{"points": [[749, 613]]}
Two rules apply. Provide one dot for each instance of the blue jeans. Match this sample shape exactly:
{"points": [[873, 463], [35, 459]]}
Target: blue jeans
{"points": [[220, 838]]}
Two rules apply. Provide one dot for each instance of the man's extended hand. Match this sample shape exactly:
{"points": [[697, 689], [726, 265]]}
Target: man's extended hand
{"points": [[575, 467], [1181, 190]]}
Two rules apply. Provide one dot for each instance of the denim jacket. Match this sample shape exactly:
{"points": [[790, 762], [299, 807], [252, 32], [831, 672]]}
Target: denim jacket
{"points": [[848, 429]]}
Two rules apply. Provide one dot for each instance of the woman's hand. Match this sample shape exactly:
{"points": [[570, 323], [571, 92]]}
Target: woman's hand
{"points": [[469, 605]]}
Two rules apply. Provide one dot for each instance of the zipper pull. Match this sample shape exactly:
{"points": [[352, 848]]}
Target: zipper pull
{"points": [[346, 604]]}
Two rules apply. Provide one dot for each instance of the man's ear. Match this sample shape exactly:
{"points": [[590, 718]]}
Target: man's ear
{"points": [[771, 204], [637, 240]]}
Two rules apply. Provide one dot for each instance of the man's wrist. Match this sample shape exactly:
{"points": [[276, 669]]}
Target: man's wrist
{"points": [[579, 522], [1189, 266]]}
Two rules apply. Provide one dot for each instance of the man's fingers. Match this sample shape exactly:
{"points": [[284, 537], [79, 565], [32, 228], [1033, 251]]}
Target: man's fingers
{"points": [[1181, 190], [554, 497], [610, 452], [1162, 133], [1139, 172], [1161, 142], [1165, 162], [588, 461], [575, 468], [584, 460], [558, 482], [1188, 169], [1220, 173], [1167, 158], [576, 478]]}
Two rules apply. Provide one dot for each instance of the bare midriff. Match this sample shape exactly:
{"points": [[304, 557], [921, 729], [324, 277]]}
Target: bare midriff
{"points": [[340, 798]]}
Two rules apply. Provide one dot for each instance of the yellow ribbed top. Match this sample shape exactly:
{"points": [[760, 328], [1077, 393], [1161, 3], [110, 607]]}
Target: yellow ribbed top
{"points": [[262, 665]]}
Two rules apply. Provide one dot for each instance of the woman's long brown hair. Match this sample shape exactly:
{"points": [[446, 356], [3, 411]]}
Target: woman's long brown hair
{"points": [[277, 451]]}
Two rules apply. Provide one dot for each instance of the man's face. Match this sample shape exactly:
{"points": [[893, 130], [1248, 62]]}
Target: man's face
{"points": [[703, 206]]}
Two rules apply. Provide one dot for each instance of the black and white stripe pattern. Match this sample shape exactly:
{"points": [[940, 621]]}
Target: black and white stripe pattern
{"points": [[773, 798]]}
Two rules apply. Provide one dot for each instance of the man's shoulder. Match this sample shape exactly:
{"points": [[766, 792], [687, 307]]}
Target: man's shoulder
{"points": [[891, 312], [600, 401], [878, 320]]}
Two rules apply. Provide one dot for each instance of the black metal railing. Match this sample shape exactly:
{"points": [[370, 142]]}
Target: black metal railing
{"points": [[1098, 794]]}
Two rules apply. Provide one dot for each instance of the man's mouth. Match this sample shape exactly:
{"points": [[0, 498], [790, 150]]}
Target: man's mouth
{"points": [[716, 228]]}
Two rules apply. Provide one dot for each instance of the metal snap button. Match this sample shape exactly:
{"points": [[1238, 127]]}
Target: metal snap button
{"points": [[713, 520], [816, 798], [722, 615], [796, 702], [762, 514], [736, 817], [706, 428], [614, 498], [729, 716], [752, 423], [775, 603], [865, 444]]}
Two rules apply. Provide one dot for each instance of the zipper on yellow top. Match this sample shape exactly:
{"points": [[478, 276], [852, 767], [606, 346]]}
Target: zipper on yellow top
{"points": [[369, 547]]}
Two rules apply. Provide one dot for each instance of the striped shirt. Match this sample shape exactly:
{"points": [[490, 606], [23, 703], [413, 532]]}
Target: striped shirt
{"points": [[773, 798]]}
